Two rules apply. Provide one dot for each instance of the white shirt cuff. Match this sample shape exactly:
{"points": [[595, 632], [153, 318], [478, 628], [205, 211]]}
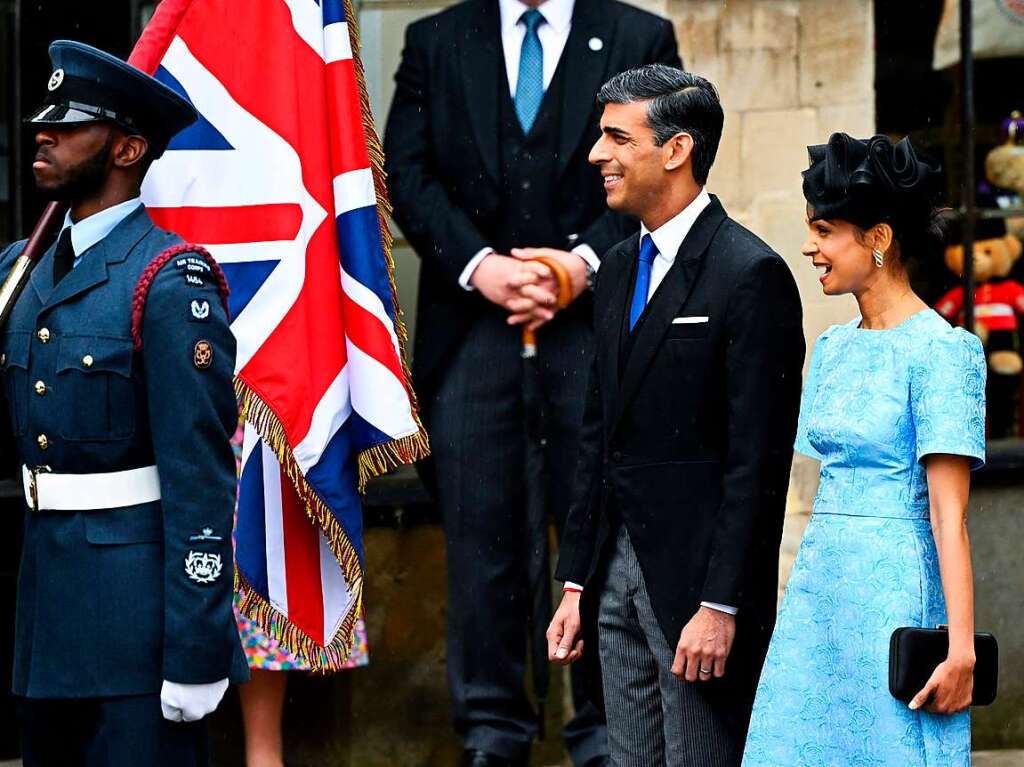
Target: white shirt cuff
{"points": [[572, 586], [721, 608], [587, 253], [474, 262]]}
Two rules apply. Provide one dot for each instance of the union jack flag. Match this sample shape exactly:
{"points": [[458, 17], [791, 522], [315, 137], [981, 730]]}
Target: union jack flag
{"points": [[280, 179]]}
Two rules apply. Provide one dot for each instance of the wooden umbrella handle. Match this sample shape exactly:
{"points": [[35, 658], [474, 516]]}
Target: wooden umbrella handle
{"points": [[563, 299]]}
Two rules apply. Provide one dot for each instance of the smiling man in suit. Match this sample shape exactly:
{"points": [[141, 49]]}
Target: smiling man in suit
{"points": [[486, 148], [674, 531]]}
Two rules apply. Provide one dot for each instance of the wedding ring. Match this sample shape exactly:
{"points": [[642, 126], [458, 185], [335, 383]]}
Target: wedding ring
{"points": [[705, 670]]}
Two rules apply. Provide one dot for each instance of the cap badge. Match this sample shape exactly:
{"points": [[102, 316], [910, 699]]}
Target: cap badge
{"points": [[55, 80]]}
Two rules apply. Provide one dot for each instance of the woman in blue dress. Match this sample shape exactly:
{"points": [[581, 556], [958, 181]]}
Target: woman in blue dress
{"points": [[894, 409]]}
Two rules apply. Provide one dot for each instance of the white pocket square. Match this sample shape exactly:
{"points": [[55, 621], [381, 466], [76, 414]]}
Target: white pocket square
{"points": [[689, 320]]}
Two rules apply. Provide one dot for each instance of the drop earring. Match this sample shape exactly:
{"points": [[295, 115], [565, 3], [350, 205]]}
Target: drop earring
{"points": [[879, 257]]}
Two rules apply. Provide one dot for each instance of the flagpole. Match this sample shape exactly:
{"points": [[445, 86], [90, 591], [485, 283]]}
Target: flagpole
{"points": [[37, 243]]}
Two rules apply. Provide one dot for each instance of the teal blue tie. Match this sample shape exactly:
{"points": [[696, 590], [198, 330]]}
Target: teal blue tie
{"points": [[648, 250], [530, 85]]}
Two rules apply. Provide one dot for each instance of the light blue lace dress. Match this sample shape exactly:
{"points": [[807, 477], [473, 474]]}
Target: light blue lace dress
{"points": [[875, 402]]}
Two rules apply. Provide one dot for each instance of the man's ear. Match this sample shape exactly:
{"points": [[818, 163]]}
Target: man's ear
{"points": [[678, 150], [128, 150]]}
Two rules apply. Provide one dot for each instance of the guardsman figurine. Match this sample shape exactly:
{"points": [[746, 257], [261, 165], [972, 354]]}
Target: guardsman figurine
{"points": [[117, 368]]}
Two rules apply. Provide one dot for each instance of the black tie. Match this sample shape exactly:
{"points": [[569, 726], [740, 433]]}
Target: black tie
{"points": [[63, 256]]}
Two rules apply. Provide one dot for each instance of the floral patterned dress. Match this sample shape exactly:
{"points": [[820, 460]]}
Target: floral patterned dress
{"points": [[875, 403], [263, 651]]}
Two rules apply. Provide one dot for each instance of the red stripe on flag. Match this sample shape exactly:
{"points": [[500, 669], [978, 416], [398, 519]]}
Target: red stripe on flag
{"points": [[348, 144], [366, 331], [229, 225], [157, 36], [299, 361], [302, 565]]}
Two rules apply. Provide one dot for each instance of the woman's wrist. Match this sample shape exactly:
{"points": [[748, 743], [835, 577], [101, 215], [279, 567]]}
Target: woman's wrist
{"points": [[962, 657]]}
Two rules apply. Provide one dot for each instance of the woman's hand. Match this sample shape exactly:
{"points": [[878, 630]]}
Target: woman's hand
{"points": [[949, 689]]}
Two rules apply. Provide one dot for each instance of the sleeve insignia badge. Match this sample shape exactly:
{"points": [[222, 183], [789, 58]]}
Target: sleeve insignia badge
{"points": [[200, 309], [206, 534], [202, 355], [202, 567]]}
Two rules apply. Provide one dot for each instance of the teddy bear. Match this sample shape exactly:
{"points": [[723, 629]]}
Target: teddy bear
{"points": [[998, 300], [1004, 165]]}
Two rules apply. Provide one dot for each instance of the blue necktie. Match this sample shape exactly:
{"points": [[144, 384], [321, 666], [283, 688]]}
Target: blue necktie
{"points": [[530, 85], [648, 250]]}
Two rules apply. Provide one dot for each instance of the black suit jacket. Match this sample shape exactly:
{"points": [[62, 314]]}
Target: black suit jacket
{"points": [[442, 151], [688, 439]]}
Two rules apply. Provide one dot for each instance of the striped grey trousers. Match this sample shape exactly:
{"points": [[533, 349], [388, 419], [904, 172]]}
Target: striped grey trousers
{"points": [[654, 719]]}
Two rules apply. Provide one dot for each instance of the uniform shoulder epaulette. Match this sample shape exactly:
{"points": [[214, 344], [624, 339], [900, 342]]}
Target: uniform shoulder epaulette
{"points": [[150, 272]]}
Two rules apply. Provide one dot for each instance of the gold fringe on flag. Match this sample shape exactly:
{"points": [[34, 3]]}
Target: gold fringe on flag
{"points": [[373, 461], [321, 658]]}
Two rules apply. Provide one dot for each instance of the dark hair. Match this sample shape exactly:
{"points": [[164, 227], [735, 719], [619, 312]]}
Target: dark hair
{"points": [[872, 181], [680, 102]]}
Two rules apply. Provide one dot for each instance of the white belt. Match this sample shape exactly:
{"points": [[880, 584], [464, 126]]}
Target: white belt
{"points": [[46, 491]]}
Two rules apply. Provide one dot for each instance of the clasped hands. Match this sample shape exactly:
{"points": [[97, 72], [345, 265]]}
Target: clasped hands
{"points": [[527, 289], [701, 652]]}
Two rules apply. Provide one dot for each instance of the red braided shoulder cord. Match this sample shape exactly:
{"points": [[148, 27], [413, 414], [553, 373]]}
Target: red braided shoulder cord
{"points": [[150, 272]]}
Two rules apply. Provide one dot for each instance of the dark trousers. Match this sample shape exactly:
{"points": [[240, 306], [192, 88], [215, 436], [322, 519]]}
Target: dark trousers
{"points": [[478, 441], [125, 731]]}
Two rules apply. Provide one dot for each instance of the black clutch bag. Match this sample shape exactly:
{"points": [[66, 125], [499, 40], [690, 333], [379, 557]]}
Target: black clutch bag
{"points": [[915, 652]]}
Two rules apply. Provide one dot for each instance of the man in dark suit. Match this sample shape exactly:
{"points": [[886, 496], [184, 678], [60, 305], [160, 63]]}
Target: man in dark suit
{"points": [[486, 148], [674, 530], [117, 362]]}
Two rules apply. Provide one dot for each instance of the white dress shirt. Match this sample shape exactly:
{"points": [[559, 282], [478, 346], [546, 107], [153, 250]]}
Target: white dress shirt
{"points": [[553, 34], [92, 229], [668, 238]]}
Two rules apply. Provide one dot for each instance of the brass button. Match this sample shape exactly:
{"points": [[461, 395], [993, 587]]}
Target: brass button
{"points": [[87, 360], [42, 441], [43, 335], [40, 388]]}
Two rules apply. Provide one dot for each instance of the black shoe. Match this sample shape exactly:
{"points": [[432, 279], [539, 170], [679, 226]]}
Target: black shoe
{"points": [[474, 758]]}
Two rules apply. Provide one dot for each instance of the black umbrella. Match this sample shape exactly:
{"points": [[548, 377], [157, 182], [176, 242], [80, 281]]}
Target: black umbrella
{"points": [[538, 567]]}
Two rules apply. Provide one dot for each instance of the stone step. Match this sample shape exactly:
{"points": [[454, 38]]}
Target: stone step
{"points": [[998, 759]]}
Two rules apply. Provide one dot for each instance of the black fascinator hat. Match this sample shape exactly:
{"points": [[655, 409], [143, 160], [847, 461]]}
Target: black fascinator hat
{"points": [[870, 181]]}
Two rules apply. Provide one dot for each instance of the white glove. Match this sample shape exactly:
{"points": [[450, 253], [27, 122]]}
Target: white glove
{"points": [[190, 702]]}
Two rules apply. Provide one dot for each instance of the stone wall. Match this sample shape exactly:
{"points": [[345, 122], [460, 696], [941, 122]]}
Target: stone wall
{"points": [[994, 519]]}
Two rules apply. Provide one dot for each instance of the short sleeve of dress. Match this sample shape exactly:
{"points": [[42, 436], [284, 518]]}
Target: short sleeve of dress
{"points": [[810, 393], [947, 397]]}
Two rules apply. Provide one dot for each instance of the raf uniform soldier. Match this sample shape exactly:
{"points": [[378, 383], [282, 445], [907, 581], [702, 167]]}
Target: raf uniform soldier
{"points": [[117, 367]]}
